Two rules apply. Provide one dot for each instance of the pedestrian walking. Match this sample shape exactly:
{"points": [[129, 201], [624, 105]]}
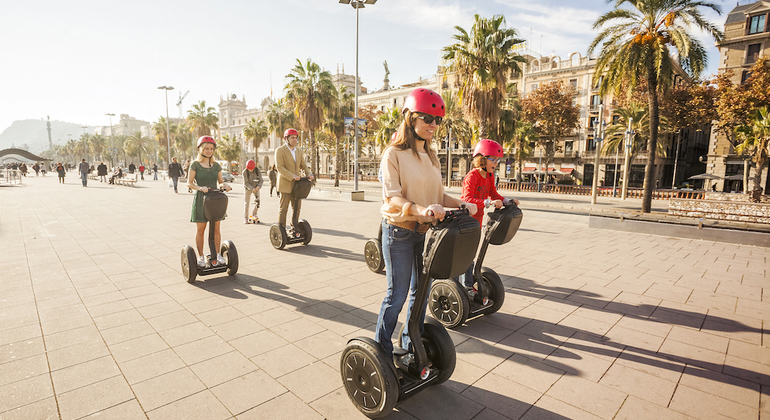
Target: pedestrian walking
{"points": [[252, 183], [174, 172], [131, 167], [273, 175], [155, 171], [61, 171], [83, 170], [101, 171], [141, 171], [36, 168]]}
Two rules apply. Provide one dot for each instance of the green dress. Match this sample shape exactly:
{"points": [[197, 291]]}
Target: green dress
{"points": [[204, 177]]}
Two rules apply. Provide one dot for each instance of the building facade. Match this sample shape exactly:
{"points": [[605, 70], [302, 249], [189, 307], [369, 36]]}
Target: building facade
{"points": [[747, 37]]}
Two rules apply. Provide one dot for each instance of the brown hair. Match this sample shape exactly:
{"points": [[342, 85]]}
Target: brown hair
{"points": [[407, 138], [480, 161]]}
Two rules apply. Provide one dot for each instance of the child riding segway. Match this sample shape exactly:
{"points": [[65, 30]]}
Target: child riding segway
{"points": [[290, 162], [209, 208]]}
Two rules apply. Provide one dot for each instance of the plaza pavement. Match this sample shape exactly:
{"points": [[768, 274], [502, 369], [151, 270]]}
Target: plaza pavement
{"points": [[96, 319]]}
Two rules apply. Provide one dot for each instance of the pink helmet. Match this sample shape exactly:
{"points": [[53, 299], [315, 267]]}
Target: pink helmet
{"points": [[290, 132], [425, 101], [487, 147], [206, 139], [250, 165]]}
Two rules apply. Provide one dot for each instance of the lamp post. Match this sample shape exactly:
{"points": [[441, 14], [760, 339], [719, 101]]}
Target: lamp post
{"points": [[112, 140], [630, 133], [357, 4], [598, 137], [85, 141], [676, 158], [168, 129]]}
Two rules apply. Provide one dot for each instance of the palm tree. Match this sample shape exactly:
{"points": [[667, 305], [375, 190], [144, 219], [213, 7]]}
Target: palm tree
{"points": [[161, 134], [82, 145], [137, 144], [639, 48], [119, 140], [454, 121], [228, 148], [521, 146], [279, 119], [615, 133], [482, 61], [97, 145], [202, 119], [335, 125], [756, 142], [310, 92], [256, 131], [183, 139]]}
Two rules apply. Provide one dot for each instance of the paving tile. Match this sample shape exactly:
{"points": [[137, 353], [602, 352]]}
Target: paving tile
{"points": [[172, 320], [223, 368], [747, 369], [202, 405], [186, 333], [283, 360], [323, 344], [482, 354], [693, 355], [126, 332], [258, 343], [18, 334], [699, 338], [94, 398], [283, 407], [587, 395], [237, 328], [638, 409], [463, 376], [530, 373], [79, 353], [440, 402], [128, 410], [26, 391], [167, 388], [637, 339], [238, 394], [311, 382], [502, 395], [83, 374], [149, 366], [45, 409], [551, 408], [724, 386], [20, 369], [641, 384], [138, 347], [703, 405]]}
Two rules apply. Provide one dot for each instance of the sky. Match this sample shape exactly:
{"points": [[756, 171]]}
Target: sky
{"points": [[78, 60]]}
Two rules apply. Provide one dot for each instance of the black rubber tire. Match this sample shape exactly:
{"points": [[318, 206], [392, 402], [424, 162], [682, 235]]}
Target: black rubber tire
{"points": [[230, 254], [278, 236], [371, 384], [496, 290], [373, 256], [189, 264], [448, 303], [307, 232], [440, 349]]}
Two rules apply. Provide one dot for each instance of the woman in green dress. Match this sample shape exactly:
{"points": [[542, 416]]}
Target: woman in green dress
{"points": [[205, 174]]}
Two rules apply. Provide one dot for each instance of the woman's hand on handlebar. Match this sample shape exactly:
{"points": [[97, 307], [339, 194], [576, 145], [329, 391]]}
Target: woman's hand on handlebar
{"points": [[434, 210], [203, 189], [227, 187]]}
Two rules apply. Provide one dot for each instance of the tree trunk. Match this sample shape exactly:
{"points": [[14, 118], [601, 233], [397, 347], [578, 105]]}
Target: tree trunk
{"points": [[312, 153], [483, 130], [652, 142], [756, 192], [337, 162], [519, 165]]}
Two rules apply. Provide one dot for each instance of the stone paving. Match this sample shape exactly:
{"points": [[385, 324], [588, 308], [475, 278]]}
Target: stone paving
{"points": [[96, 319]]}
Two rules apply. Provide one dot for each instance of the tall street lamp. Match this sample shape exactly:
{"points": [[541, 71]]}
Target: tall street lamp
{"points": [[357, 4], [85, 141], [112, 141], [598, 137], [168, 129], [630, 133]]}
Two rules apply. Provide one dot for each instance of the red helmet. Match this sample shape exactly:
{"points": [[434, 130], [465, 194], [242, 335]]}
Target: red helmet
{"points": [[206, 139], [290, 132], [250, 165], [425, 101], [487, 147]]}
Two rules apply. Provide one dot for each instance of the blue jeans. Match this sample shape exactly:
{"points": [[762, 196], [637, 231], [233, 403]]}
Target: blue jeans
{"points": [[399, 248], [466, 279], [84, 178], [176, 180]]}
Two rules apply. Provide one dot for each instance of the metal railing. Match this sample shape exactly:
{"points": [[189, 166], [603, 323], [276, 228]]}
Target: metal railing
{"points": [[10, 176], [658, 194]]}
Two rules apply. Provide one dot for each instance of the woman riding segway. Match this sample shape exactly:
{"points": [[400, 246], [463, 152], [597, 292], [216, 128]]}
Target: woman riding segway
{"points": [[414, 198]]}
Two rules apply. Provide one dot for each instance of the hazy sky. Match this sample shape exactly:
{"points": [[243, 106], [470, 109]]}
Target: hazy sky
{"points": [[78, 60]]}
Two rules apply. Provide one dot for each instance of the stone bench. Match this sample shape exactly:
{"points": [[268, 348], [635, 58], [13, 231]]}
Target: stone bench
{"points": [[128, 180]]}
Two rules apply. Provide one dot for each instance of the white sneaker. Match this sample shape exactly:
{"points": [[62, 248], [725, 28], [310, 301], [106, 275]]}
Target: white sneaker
{"points": [[201, 261], [221, 259]]}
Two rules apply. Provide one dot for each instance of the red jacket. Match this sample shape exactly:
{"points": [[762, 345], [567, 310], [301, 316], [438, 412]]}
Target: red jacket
{"points": [[476, 189]]}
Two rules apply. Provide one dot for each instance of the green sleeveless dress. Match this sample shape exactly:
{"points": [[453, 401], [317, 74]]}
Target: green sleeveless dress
{"points": [[204, 177]]}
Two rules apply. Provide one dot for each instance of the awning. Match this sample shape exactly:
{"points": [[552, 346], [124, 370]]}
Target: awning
{"points": [[705, 176], [567, 170], [735, 178]]}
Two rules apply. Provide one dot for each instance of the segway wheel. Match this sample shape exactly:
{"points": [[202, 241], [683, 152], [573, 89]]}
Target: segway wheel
{"points": [[278, 236], [371, 384], [307, 232], [373, 255], [494, 285], [448, 303], [440, 349], [230, 254], [189, 264]]}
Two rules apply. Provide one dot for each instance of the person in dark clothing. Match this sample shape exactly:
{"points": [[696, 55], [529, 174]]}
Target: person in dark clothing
{"points": [[131, 167], [83, 171], [175, 172], [101, 170], [61, 171], [273, 175], [117, 173], [154, 171]]}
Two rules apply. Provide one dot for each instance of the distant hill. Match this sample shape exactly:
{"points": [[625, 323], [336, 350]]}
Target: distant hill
{"points": [[33, 134]]}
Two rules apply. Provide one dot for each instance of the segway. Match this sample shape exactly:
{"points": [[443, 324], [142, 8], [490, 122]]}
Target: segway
{"points": [[373, 253], [374, 381], [302, 233], [450, 303], [214, 208]]}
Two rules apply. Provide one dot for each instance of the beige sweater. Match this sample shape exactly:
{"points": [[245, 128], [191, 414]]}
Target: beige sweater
{"points": [[413, 177]]}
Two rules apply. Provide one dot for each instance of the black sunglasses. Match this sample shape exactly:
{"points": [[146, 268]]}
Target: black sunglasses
{"points": [[428, 119]]}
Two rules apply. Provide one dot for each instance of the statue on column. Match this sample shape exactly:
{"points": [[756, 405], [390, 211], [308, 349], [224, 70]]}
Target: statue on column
{"points": [[386, 81]]}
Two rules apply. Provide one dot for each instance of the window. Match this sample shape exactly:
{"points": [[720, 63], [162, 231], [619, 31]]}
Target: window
{"points": [[567, 147], [757, 24], [752, 53], [573, 83], [745, 76], [533, 87]]}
